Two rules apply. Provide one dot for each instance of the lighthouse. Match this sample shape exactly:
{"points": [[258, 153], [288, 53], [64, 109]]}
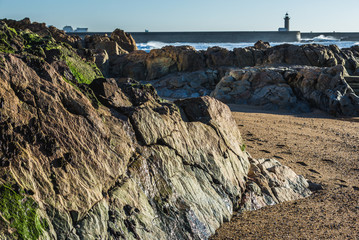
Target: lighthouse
{"points": [[286, 24], [286, 21]]}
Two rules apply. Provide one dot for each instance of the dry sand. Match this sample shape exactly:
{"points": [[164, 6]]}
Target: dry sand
{"points": [[324, 150]]}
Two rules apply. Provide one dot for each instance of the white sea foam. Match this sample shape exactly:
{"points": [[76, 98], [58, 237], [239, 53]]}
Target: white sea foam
{"points": [[323, 40]]}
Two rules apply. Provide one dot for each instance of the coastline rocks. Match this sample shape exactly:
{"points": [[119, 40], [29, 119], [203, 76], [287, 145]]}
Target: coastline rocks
{"points": [[258, 86], [185, 85], [42, 30], [294, 88], [124, 40], [266, 185], [261, 45], [102, 61], [137, 167], [217, 57], [170, 59], [326, 89], [131, 65]]}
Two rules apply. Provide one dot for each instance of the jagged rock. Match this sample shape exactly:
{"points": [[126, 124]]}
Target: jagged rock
{"points": [[193, 84], [311, 55], [261, 45], [108, 92], [138, 167], [291, 88], [268, 186], [124, 40], [217, 57], [264, 87], [98, 42], [92, 40], [133, 167], [131, 65], [326, 89], [42, 30], [102, 61], [159, 62], [169, 59]]}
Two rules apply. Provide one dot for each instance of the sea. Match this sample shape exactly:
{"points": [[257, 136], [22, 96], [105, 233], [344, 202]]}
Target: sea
{"points": [[321, 39]]}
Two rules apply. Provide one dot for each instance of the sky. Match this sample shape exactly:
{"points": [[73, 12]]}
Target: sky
{"points": [[188, 15]]}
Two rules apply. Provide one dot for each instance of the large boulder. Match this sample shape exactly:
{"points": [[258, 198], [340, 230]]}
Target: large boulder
{"points": [[266, 185], [188, 84], [218, 57], [293, 88], [131, 65], [137, 167], [258, 86], [169, 59], [97, 42], [124, 40]]}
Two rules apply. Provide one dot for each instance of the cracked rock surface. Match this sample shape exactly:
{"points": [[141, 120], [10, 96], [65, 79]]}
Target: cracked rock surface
{"points": [[137, 167]]}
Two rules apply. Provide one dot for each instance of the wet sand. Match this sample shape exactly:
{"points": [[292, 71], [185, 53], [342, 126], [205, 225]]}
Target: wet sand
{"points": [[318, 146]]}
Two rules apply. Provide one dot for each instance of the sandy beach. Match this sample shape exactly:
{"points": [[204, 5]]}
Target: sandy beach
{"points": [[318, 146]]}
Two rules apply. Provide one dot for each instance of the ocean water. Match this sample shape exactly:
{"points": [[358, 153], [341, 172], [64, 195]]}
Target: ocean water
{"points": [[230, 46]]}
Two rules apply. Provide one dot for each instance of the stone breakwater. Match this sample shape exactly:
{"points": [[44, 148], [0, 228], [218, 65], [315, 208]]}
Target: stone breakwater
{"points": [[87, 157]]}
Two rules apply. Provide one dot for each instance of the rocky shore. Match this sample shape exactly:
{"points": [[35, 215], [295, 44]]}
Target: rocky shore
{"points": [[88, 152], [282, 77]]}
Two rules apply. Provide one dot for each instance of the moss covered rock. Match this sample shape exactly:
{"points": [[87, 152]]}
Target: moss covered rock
{"points": [[20, 212]]}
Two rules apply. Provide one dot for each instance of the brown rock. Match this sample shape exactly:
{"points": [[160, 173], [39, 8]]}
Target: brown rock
{"points": [[124, 40], [102, 61], [169, 59], [131, 65], [134, 161], [218, 57], [42, 30], [111, 47], [261, 45]]}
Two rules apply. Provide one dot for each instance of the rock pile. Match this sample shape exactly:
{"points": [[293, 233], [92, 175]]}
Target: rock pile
{"points": [[292, 88], [160, 62]]}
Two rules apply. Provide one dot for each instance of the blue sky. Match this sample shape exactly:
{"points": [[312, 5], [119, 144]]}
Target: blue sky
{"points": [[188, 15]]}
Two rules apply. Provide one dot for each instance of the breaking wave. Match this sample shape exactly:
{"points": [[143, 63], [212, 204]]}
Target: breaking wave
{"points": [[321, 38], [230, 46]]}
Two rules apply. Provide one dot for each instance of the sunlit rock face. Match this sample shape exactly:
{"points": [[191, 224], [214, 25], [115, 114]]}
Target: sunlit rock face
{"points": [[87, 157]]}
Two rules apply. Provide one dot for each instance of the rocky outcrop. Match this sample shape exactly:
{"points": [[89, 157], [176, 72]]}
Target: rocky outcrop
{"points": [[42, 30], [185, 85], [98, 42], [106, 50], [266, 185], [124, 40], [130, 65], [292, 88], [295, 88], [169, 59], [84, 157], [157, 63]]}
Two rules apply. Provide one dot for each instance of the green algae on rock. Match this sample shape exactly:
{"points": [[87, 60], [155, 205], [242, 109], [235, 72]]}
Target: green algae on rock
{"points": [[21, 212]]}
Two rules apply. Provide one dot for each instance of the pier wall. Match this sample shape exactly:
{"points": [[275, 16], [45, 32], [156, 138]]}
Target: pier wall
{"points": [[215, 37]]}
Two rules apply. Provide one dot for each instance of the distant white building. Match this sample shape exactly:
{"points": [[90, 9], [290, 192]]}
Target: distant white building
{"points": [[68, 29]]}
